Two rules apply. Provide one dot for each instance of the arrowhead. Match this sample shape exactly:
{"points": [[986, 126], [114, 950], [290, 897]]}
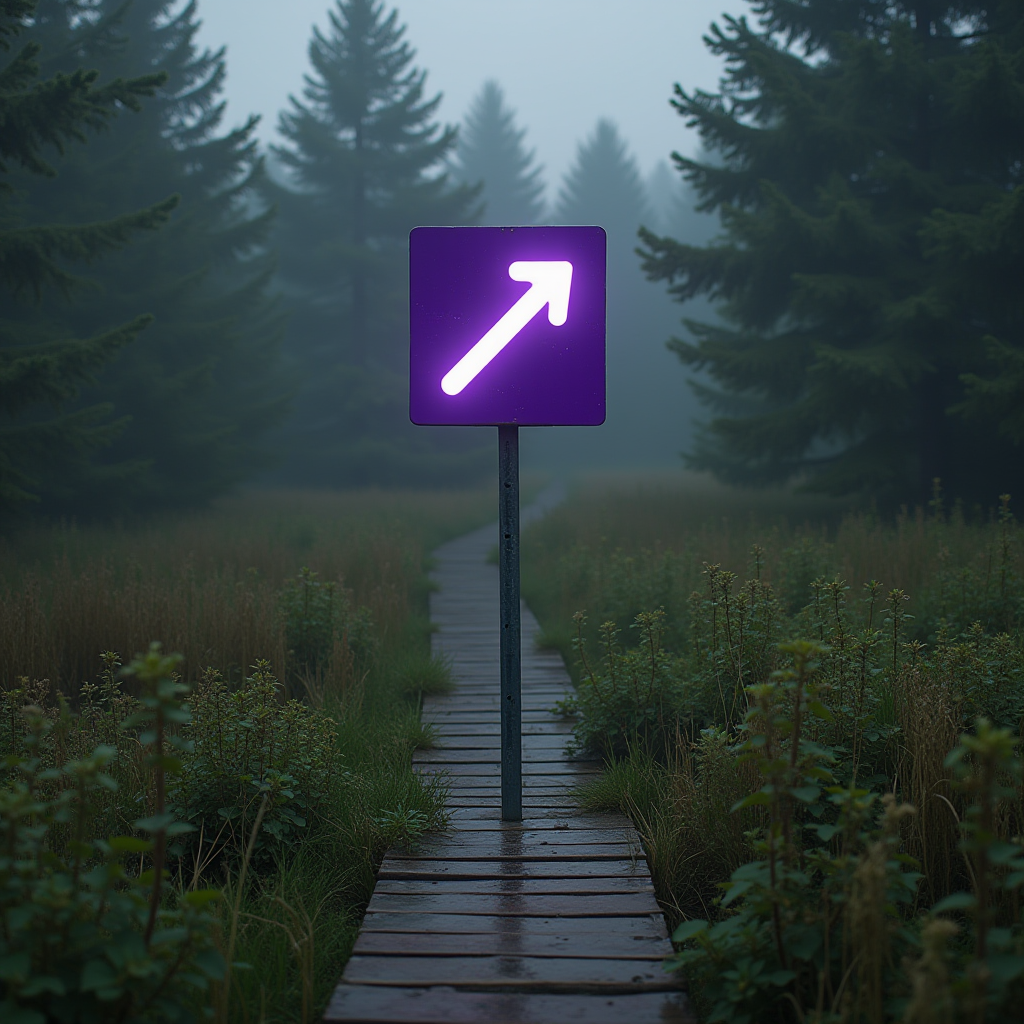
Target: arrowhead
{"points": [[552, 279]]}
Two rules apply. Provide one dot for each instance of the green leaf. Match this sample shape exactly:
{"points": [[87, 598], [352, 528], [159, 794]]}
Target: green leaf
{"points": [[129, 844], [155, 823], [688, 930], [819, 710], [956, 901], [1005, 966], [211, 963], [98, 974], [202, 897], [15, 967], [40, 983], [13, 1014], [806, 794]]}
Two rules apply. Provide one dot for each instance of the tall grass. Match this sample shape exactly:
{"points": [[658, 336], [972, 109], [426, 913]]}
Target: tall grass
{"points": [[207, 585], [325, 592], [813, 715]]}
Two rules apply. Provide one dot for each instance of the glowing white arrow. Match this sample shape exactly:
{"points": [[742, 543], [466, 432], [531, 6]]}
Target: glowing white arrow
{"points": [[551, 281]]}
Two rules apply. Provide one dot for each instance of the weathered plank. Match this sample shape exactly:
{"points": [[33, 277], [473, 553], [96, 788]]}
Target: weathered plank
{"points": [[543, 885], [650, 926], [596, 944], [446, 1005], [512, 971], [518, 904], [510, 868]]}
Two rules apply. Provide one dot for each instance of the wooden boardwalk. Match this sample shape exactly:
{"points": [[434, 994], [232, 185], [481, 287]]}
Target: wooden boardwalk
{"points": [[546, 921]]}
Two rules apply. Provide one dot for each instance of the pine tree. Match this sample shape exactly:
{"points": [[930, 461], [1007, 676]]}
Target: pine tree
{"points": [[645, 420], [201, 389], [42, 367], [868, 172], [491, 152], [604, 187], [364, 165]]}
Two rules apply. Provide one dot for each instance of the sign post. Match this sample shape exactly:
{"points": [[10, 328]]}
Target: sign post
{"points": [[510, 653], [482, 353]]}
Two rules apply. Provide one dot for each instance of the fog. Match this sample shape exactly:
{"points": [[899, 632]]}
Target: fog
{"points": [[562, 63], [563, 66], [247, 314]]}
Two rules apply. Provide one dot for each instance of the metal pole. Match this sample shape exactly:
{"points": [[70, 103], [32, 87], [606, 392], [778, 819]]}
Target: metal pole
{"points": [[511, 670]]}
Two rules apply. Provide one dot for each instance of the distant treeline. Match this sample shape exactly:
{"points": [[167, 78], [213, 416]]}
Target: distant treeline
{"points": [[183, 312]]}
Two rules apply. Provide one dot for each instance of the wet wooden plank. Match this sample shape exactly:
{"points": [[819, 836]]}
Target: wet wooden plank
{"points": [[519, 905], [564, 804], [485, 769], [527, 839], [597, 884], [650, 926], [512, 847], [554, 973], [390, 1005], [588, 945], [513, 868], [538, 819]]}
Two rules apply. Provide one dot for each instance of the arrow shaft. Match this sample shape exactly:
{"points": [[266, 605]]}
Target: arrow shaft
{"points": [[466, 369]]}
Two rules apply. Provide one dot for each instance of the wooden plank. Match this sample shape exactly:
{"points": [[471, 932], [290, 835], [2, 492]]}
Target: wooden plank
{"points": [[485, 769], [528, 839], [587, 945], [492, 727], [564, 804], [517, 867], [391, 1005], [543, 886], [510, 972], [645, 925], [542, 819], [511, 847], [519, 905]]}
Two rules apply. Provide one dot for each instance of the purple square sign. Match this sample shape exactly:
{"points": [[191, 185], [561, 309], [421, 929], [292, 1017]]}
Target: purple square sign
{"points": [[507, 325]]}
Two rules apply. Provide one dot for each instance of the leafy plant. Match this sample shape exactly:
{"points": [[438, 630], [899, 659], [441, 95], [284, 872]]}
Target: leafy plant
{"points": [[318, 616], [85, 938], [631, 695], [254, 755]]}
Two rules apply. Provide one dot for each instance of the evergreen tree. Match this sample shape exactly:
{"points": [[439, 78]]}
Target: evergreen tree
{"points": [[491, 151], [604, 187], [42, 366], [364, 163], [869, 183], [645, 420], [200, 390]]}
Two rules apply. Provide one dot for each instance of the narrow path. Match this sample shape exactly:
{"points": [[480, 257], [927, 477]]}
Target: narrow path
{"points": [[546, 921]]}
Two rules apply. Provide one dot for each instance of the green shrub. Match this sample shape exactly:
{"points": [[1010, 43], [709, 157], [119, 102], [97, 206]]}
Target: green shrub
{"points": [[83, 938], [822, 921], [630, 696], [247, 744], [317, 617]]}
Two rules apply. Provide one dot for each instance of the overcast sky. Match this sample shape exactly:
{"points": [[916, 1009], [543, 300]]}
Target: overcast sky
{"points": [[562, 63]]}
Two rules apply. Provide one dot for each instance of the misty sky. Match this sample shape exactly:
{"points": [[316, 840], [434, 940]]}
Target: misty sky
{"points": [[563, 63]]}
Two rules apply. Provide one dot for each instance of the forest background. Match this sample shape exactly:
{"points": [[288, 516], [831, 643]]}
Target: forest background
{"points": [[185, 312]]}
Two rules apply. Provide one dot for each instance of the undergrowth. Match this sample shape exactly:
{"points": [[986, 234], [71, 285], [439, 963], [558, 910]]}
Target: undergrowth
{"points": [[198, 834], [826, 776]]}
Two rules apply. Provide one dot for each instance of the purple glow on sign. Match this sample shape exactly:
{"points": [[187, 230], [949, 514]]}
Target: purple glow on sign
{"points": [[482, 350]]}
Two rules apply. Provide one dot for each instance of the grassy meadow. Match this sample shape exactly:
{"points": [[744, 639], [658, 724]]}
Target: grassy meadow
{"points": [[813, 713], [265, 764]]}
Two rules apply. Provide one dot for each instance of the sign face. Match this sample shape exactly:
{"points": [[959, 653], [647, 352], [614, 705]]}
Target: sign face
{"points": [[507, 325]]}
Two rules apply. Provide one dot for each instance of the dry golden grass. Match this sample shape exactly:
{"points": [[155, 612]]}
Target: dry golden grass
{"points": [[207, 584]]}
